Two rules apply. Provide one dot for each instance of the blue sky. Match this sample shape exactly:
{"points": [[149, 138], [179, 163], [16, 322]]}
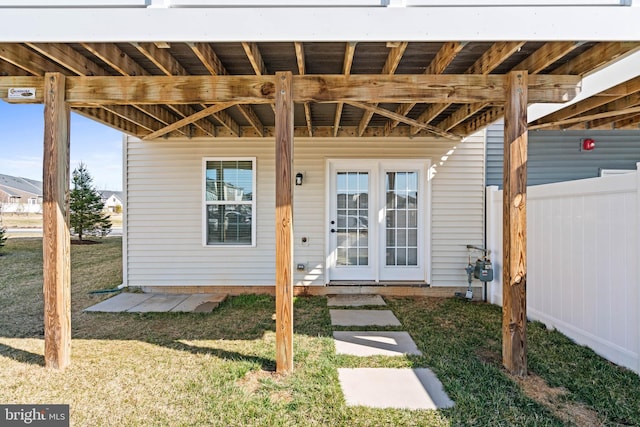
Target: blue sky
{"points": [[21, 134]]}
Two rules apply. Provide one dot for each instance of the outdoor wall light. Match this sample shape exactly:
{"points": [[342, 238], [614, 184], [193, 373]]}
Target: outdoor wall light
{"points": [[299, 178]]}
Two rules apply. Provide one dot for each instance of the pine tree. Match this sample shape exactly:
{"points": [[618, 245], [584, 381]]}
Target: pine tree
{"points": [[87, 215]]}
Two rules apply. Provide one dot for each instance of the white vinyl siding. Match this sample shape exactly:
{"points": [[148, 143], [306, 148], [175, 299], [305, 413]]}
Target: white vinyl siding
{"points": [[164, 203]]}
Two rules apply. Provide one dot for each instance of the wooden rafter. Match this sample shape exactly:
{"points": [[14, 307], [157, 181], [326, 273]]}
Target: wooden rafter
{"points": [[585, 63], [391, 64], [490, 59], [109, 119], [255, 58], [188, 120], [542, 58], [70, 58], [440, 62], [26, 59], [210, 60], [607, 114], [349, 51], [163, 59], [299, 47], [8, 69], [602, 98], [115, 58], [596, 57], [373, 108]]}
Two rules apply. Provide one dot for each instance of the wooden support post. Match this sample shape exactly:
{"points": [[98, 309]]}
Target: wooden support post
{"points": [[55, 237], [284, 222], [514, 273]]}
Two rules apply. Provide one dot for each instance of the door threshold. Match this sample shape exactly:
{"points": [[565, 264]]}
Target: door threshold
{"points": [[406, 283]]}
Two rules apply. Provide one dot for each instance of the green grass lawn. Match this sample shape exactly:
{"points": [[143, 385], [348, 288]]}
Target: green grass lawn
{"points": [[196, 369]]}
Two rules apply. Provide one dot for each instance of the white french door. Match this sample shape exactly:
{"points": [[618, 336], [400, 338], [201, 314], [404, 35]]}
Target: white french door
{"points": [[378, 215]]}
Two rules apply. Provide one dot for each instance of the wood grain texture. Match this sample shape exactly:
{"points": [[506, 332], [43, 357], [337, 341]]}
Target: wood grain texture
{"points": [[55, 237], [284, 222], [514, 271], [449, 88]]}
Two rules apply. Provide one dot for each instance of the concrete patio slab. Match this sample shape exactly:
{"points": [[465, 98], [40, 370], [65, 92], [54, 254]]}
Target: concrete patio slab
{"points": [[119, 303], [354, 300], [200, 303], [393, 388], [158, 303], [365, 343], [363, 318]]}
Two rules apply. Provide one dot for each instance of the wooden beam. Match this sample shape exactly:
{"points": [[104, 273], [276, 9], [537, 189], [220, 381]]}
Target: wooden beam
{"points": [[514, 269], [488, 61], [542, 58], [587, 118], [122, 63], [25, 58], [55, 237], [596, 57], [438, 65], [90, 91], [601, 98], [210, 60], [391, 64], [255, 58], [302, 69], [112, 120], [170, 66], [8, 69], [373, 108], [188, 120], [284, 222], [350, 50]]}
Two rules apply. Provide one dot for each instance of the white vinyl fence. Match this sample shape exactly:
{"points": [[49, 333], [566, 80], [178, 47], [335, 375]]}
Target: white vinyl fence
{"points": [[583, 252]]}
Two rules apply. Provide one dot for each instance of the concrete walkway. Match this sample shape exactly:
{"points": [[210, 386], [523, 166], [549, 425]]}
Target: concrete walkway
{"points": [[157, 303], [382, 387]]}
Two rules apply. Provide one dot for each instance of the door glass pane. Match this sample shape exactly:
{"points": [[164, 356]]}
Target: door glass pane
{"points": [[401, 218], [352, 201]]}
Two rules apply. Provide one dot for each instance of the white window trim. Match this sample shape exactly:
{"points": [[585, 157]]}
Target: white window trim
{"points": [[203, 198]]}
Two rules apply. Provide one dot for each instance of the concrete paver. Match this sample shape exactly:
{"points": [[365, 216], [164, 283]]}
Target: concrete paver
{"points": [[152, 303], [393, 388], [120, 302], [363, 318], [200, 303], [366, 343], [354, 300]]}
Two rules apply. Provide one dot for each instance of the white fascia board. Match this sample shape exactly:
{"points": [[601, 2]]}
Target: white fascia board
{"points": [[625, 69], [611, 23]]}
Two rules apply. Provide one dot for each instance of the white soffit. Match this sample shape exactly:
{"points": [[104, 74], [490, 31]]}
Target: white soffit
{"points": [[160, 21]]}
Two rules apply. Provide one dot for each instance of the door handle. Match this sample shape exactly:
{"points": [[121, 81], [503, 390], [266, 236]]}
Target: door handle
{"points": [[333, 230]]}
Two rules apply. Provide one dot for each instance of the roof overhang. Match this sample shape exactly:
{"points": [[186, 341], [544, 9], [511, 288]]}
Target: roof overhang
{"points": [[356, 21]]}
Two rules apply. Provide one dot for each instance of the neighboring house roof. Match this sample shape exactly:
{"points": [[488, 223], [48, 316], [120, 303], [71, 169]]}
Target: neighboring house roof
{"points": [[106, 194], [19, 186]]}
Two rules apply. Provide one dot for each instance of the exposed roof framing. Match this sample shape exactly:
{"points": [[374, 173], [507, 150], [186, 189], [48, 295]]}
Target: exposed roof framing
{"points": [[614, 108], [367, 89]]}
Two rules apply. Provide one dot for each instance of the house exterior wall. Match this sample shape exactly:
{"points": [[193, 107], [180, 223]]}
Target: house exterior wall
{"points": [[163, 182], [555, 156]]}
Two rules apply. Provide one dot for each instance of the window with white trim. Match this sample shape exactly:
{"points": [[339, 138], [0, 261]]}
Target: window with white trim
{"points": [[229, 201]]}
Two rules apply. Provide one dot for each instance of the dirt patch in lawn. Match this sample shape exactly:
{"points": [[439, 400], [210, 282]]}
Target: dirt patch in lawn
{"points": [[266, 381], [553, 398]]}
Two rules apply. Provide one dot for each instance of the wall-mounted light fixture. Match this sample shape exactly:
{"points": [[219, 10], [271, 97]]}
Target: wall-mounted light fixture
{"points": [[299, 177]]}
